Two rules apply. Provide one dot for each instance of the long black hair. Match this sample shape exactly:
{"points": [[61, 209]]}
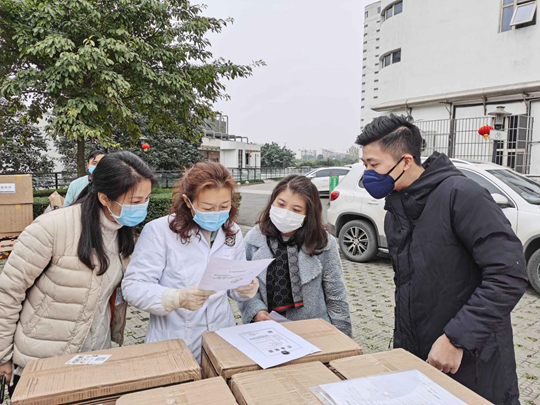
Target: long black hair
{"points": [[116, 174]]}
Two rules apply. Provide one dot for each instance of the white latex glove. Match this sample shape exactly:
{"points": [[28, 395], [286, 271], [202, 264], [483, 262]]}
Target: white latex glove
{"points": [[248, 291], [190, 298]]}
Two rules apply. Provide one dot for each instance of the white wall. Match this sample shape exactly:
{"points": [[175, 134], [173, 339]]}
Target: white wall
{"points": [[535, 154], [229, 158], [448, 46]]}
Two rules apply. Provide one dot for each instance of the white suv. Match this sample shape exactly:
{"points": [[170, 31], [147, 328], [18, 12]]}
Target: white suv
{"points": [[357, 219], [321, 177]]}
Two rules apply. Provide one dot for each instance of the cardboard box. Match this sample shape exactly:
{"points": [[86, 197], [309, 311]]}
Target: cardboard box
{"points": [[213, 391], [15, 218], [129, 369], [283, 385], [399, 359], [219, 358], [56, 200], [16, 189]]}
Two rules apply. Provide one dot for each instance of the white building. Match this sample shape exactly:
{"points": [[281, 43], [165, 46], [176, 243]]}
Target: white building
{"points": [[371, 60], [231, 152], [306, 154], [234, 152], [456, 61]]}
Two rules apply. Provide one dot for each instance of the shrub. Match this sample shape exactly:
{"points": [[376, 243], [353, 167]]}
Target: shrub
{"points": [[47, 193]]}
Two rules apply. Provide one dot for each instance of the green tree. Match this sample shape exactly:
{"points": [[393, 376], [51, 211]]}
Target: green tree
{"points": [[67, 148], [168, 151], [90, 65], [273, 155], [353, 154], [22, 146]]}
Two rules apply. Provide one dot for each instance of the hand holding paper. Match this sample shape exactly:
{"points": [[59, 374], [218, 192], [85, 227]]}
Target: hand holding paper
{"points": [[248, 291], [190, 298], [224, 274]]}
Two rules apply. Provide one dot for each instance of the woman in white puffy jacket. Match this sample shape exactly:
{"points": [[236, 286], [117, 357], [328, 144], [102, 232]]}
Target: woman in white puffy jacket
{"points": [[172, 253]]}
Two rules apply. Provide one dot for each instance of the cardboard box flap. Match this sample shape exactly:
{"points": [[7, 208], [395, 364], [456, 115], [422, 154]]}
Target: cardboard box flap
{"points": [[16, 189], [399, 359], [129, 369], [15, 218], [283, 385], [213, 391], [228, 360]]}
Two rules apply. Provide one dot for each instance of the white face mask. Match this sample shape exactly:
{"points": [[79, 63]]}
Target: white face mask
{"points": [[286, 221]]}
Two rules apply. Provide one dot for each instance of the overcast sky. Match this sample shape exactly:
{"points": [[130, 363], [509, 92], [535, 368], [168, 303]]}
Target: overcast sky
{"points": [[308, 95]]}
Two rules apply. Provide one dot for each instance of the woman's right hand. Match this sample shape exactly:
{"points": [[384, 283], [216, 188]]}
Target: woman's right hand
{"points": [[262, 316], [7, 370]]}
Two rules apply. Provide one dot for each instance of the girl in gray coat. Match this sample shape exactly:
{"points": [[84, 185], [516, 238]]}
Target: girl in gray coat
{"points": [[306, 279]]}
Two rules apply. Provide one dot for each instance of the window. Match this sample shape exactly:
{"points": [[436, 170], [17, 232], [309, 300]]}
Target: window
{"points": [[378, 10], [240, 158], [524, 14], [518, 14], [323, 173], [366, 15], [488, 185], [391, 58], [392, 10], [527, 189], [340, 172]]}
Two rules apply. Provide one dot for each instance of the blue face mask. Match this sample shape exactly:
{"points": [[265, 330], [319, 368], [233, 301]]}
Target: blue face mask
{"points": [[380, 185], [91, 169], [131, 215], [210, 221]]}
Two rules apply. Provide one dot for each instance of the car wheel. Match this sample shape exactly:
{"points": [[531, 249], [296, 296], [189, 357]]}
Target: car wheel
{"points": [[533, 268], [358, 241]]}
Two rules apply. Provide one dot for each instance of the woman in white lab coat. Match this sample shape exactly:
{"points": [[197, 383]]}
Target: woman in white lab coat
{"points": [[171, 256]]}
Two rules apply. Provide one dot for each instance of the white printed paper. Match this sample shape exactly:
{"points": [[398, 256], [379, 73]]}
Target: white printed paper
{"points": [[7, 188], [267, 343], [397, 388], [278, 317], [89, 359], [224, 274]]}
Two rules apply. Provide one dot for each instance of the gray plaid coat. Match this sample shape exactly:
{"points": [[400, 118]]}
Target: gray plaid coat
{"points": [[323, 286]]}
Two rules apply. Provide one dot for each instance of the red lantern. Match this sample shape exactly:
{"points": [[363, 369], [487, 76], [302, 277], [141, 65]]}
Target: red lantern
{"points": [[212, 153], [145, 147], [485, 131]]}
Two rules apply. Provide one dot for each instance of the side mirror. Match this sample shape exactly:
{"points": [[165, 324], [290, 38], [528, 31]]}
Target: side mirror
{"points": [[501, 200]]}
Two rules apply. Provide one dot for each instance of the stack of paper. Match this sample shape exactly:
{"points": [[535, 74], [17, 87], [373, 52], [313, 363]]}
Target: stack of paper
{"points": [[409, 387]]}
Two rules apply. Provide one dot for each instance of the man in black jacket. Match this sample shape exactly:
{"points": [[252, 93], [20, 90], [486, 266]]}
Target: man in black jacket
{"points": [[459, 267]]}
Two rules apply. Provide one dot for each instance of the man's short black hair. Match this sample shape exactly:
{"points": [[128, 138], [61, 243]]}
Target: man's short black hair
{"points": [[95, 153], [395, 135]]}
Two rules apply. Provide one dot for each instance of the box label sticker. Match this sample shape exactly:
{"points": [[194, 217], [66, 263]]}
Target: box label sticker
{"points": [[89, 359], [7, 188]]}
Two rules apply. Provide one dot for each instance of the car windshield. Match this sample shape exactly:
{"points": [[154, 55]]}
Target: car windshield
{"points": [[527, 189]]}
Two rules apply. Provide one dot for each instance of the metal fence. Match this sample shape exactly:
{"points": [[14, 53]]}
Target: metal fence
{"points": [[167, 179], [459, 139]]}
